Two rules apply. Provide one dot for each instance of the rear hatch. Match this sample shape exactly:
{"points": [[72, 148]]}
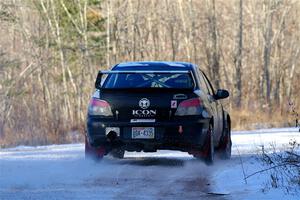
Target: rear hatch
{"points": [[150, 104], [145, 95]]}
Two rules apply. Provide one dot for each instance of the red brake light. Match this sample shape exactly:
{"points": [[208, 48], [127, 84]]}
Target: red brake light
{"points": [[189, 107], [98, 102], [99, 107], [191, 102]]}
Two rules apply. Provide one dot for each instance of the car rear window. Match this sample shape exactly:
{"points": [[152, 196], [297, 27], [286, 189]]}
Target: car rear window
{"points": [[149, 80]]}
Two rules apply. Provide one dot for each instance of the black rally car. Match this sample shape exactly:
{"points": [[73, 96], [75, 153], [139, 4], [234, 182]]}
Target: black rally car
{"points": [[146, 106]]}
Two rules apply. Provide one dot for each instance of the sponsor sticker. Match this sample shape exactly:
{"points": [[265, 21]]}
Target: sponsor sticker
{"points": [[173, 104], [144, 113], [142, 120], [144, 103], [180, 96]]}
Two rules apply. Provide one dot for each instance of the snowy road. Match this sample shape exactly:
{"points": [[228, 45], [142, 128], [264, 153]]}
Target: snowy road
{"points": [[61, 172]]}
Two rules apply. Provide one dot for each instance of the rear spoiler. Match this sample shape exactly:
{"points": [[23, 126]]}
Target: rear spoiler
{"points": [[144, 72]]}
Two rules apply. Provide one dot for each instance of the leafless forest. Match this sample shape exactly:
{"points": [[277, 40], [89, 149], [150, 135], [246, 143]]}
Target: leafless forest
{"points": [[51, 50]]}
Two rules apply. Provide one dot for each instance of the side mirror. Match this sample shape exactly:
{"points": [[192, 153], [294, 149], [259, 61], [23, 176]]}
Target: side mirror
{"points": [[221, 94], [98, 80]]}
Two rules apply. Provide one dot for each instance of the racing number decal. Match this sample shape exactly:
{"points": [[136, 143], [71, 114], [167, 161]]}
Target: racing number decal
{"points": [[173, 104]]}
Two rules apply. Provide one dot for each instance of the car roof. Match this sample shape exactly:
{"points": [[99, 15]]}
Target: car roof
{"points": [[154, 65]]}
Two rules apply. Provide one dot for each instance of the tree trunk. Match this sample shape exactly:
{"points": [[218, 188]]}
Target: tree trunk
{"points": [[108, 34], [238, 59], [267, 52], [214, 56]]}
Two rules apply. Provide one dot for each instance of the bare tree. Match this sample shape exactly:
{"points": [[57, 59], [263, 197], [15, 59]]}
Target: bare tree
{"points": [[238, 58], [50, 51], [213, 54]]}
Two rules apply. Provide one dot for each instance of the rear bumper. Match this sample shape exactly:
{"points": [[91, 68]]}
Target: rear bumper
{"points": [[167, 135]]}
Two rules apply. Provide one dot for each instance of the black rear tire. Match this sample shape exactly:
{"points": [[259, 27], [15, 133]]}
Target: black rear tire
{"points": [[96, 153]]}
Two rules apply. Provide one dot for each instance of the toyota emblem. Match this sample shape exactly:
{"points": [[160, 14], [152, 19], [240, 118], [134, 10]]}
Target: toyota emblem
{"points": [[144, 103]]}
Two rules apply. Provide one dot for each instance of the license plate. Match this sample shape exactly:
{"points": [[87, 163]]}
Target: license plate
{"points": [[143, 132]]}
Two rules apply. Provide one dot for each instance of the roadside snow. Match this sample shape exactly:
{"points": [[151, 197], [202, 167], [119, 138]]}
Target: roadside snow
{"points": [[251, 142], [61, 172]]}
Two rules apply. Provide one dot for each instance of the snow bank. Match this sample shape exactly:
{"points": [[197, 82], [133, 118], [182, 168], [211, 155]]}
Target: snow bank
{"points": [[61, 172]]}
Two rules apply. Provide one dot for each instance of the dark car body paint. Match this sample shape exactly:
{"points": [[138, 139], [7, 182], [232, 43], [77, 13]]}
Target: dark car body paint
{"points": [[123, 101]]}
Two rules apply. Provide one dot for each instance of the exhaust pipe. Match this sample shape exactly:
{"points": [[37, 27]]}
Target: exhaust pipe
{"points": [[111, 136]]}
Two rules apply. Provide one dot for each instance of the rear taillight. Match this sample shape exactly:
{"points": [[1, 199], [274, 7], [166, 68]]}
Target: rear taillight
{"points": [[99, 107], [189, 107]]}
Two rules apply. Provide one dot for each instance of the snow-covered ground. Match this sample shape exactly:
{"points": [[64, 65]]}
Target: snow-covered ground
{"points": [[61, 172]]}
